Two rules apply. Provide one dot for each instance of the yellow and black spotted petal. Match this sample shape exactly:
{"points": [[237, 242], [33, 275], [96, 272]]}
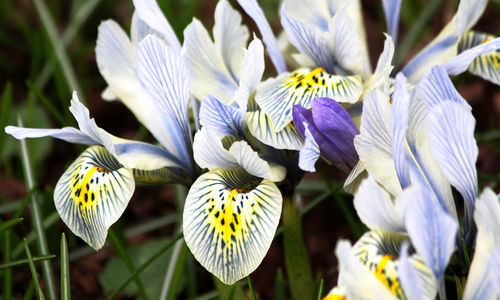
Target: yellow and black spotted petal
{"points": [[93, 193], [486, 66], [379, 250], [277, 96], [229, 222]]}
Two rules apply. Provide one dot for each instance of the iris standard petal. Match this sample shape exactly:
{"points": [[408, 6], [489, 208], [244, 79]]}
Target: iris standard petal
{"points": [[392, 9], [376, 209], [374, 143], [224, 119], [380, 78], [151, 14], [162, 73], [68, 134], [252, 68], [410, 278], [277, 96], [253, 9], [310, 152], [249, 159], [431, 229], [400, 111], [451, 138], [229, 222], [479, 53], [209, 152], [92, 194]]}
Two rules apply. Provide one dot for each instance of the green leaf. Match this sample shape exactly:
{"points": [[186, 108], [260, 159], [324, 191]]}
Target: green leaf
{"points": [[5, 112], [319, 293], [7, 224], [65, 283], [25, 261], [279, 286], [34, 274], [250, 287]]}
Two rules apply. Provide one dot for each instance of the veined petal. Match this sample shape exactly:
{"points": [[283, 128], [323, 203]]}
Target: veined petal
{"points": [[400, 110], [277, 96], [252, 69], [392, 9], [229, 222], [249, 159], [479, 283], [261, 127], [151, 14], [230, 37], [380, 78], [224, 119], [374, 143], [253, 9], [92, 194], [68, 134], [208, 71], [479, 52], [357, 280], [139, 30], [451, 138], [162, 73], [431, 229], [376, 209], [209, 152], [436, 87], [356, 176], [412, 278], [309, 154]]}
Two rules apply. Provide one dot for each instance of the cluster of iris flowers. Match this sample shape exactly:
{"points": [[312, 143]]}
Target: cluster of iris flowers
{"points": [[403, 141]]}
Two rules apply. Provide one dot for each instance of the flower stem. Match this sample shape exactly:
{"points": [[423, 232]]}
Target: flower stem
{"points": [[296, 258]]}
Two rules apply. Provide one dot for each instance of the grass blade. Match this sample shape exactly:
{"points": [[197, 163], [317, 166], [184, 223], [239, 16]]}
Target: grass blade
{"points": [[34, 274], [10, 223], [25, 261], [65, 283], [7, 277], [145, 265], [250, 287], [279, 286], [5, 111], [59, 49], [47, 222], [128, 262], [37, 221], [319, 293]]}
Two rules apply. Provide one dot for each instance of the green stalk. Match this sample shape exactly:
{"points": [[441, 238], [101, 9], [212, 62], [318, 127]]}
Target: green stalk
{"points": [[65, 282], [228, 292], [34, 274], [7, 277], [296, 258], [47, 222], [128, 262], [57, 45], [37, 221], [319, 293], [25, 261], [7, 224], [250, 287]]}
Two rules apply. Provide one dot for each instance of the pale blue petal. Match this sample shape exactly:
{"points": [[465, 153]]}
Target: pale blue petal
{"points": [[451, 138], [431, 229], [374, 143], [249, 159], [209, 152], [495, 270], [376, 209], [253, 9], [486, 65], [224, 119], [400, 110], [381, 76], [230, 37], [309, 154], [151, 14], [468, 13], [208, 70], [162, 73], [461, 62], [68, 134], [436, 87], [392, 9], [310, 41], [409, 277], [252, 69]]}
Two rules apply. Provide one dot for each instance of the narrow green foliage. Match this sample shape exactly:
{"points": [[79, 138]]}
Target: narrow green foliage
{"points": [[228, 292], [119, 247], [279, 286], [25, 261], [47, 222], [319, 293], [7, 224], [65, 282], [296, 258], [47, 103], [7, 274], [28, 294], [34, 274], [5, 110], [250, 287], [145, 265]]}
